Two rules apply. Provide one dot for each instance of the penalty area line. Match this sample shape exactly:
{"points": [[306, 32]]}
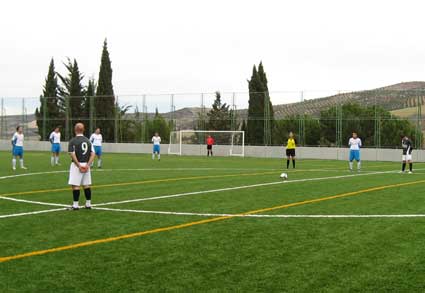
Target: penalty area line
{"points": [[31, 213], [239, 187], [188, 193], [259, 215]]}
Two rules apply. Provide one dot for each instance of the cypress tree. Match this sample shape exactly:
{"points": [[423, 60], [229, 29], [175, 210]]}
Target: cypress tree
{"points": [[89, 104], [255, 110], [105, 99], [72, 97], [48, 115], [258, 92], [270, 125]]}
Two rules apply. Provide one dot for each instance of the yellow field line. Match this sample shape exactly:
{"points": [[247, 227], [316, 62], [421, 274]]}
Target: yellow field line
{"points": [[190, 224], [142, 182]]}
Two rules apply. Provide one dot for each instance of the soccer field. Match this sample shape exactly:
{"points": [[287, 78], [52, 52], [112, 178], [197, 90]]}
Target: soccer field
{"points": [[213, 224]]}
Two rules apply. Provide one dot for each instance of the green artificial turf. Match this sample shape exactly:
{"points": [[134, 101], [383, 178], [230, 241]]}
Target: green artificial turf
{"points": [[242, 254]]}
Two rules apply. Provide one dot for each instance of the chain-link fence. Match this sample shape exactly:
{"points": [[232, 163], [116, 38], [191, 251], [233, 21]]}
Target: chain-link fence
{"points": [[317, 118]]}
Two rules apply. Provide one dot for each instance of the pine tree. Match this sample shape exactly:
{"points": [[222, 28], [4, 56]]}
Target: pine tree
{"points": [[49, 114], [72, 97], [219, 115], [105, 99]]}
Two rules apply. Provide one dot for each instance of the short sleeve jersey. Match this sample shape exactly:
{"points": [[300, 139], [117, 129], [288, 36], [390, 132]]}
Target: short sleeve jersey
{"points": [[355, 143], [82, 147]]}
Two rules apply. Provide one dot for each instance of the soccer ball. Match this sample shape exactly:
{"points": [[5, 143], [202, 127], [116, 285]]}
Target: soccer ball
{"points": [[284, 176]]}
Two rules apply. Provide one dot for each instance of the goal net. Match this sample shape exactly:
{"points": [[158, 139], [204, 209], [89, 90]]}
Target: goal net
{"points": [[194, 142]]}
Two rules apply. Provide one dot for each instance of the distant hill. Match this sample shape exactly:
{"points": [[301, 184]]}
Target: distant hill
{"points": [[394, 97]]}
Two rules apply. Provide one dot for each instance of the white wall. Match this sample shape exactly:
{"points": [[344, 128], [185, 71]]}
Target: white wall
{"points": [[250, 151]]}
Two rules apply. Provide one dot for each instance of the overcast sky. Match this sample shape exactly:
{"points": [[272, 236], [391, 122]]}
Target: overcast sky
{"points": [[201, 46]]}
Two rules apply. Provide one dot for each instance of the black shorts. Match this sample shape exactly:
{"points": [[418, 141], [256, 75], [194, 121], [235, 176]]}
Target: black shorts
{"points": [[290, 152], [209, 147]]}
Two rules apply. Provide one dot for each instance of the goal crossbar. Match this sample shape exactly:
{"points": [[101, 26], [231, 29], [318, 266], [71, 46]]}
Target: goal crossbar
{"points": [[176, 140]]}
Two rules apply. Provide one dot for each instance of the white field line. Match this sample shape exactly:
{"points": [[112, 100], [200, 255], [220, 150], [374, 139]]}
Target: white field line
{"points": [[238, 188], [33, 202], [203, 191], [31, 213], [258, 215], [196, 192], [178, 169], [31, 174]]}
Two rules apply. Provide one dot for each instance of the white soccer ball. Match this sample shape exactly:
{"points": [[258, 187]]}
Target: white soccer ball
{"points": [[284, 176]]}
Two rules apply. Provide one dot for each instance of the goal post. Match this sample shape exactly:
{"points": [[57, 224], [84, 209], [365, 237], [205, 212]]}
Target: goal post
{"points": [[193, 142]]}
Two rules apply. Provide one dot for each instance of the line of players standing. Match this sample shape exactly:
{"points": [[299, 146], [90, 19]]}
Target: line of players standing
{"points": [[96, 139], [355, 143], [55, 141]]}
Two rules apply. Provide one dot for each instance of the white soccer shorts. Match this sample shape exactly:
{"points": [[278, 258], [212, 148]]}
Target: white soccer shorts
{"points": [[76, 178], [406, 157]]}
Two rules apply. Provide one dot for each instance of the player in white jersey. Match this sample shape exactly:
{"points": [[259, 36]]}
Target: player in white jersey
{"points": [[156, 140], [96, 139], [18, 148], [355, 144], [55, 140]]}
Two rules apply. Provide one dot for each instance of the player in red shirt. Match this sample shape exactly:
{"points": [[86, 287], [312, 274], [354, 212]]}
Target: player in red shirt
{"points": [[210, 142]]}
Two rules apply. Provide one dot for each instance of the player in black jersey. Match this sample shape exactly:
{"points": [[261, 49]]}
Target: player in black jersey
{"points": [[82, 155], [406, 144]]}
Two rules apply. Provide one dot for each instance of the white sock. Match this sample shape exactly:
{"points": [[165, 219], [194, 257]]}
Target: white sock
{"points": [[21, 162], [359, 165], [52, 160], [159, 156], [75, 205], [57, 160], [351, 165], [88, 203], [153, 156], [14, 163], [99, 163]]}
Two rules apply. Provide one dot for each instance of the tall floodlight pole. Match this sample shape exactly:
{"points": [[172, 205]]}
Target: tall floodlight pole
{"points": [[419, 136], [267, 126], [301, 123], [172, 110], [24, 117], [338, 118], [377, 126], [233, 121], [116, 120], [144, 119], [2, 119]]}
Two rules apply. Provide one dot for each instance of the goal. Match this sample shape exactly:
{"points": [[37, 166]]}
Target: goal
{"points": [[193, 142]]}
